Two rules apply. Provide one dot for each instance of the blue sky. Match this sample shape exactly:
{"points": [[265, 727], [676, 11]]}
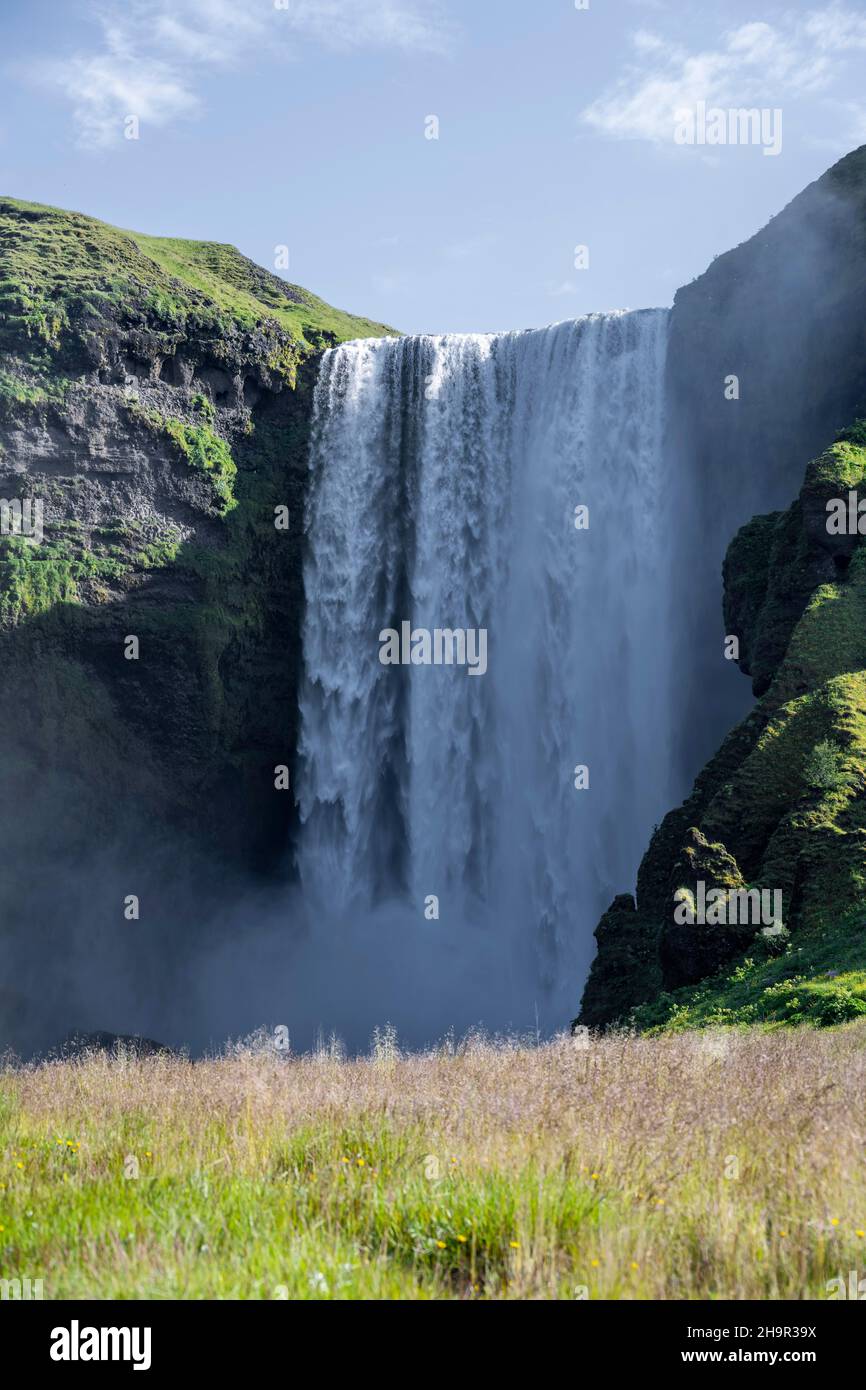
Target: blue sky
{"points": [[302, 123]]}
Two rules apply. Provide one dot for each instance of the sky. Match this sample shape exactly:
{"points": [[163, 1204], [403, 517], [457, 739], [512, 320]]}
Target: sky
{"points": [[308, 124]]}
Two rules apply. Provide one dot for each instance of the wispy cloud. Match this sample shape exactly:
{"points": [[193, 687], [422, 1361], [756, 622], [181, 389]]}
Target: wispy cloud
{"points": [[391, 281], [563, 288], [849, 119], [836, 29], [151, 54], [371, 23], [758, 63], [468, 248]]}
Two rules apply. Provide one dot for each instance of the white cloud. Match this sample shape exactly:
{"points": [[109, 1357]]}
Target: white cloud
{"points": [[370, 23], [565, 287], [754, 64], [467, 249], [104, 90], [152, 52], [836, 29], [850, 120], [391, 281]]}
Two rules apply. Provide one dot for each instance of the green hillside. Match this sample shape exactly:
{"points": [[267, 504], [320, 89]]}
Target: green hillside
{"points": [[61, 269], [781, 806]]}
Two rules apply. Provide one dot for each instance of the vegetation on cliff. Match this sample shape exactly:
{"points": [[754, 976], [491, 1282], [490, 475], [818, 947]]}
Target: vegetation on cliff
{"points": [[154, 400], [64, 275], [83, 305], [782, 805]]}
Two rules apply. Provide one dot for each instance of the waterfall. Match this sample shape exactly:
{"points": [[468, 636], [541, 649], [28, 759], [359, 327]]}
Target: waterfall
{"points": [[445, 477]]}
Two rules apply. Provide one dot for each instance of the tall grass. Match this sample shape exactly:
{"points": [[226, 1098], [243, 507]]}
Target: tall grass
{"points": [[697, 1165]]}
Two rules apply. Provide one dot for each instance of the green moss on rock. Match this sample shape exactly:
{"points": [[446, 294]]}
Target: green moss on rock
{"points": [[156, 395], [35, 578], [205, 451], [67, 276], [758, 815]]}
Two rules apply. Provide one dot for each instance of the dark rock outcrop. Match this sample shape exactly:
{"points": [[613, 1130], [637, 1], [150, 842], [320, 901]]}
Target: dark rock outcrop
{"points": [[785, 313], [782, 804], [155, 401], [689, 951], [80, 1045]]}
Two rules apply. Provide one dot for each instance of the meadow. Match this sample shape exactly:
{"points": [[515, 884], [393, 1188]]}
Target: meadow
{"points": [[693, 1165]]}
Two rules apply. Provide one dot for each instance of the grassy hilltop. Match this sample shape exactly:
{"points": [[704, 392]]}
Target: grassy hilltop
{"points": [[59, 269]]}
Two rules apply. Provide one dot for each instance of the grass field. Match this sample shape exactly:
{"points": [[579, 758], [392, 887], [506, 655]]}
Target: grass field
{"points": [[692, 1165]]}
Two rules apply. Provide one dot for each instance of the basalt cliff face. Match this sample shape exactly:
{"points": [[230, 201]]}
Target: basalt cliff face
{"points": [[154, 399], [784, 314], [781, 804]]}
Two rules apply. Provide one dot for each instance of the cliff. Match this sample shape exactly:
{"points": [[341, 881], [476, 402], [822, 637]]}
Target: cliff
{"points": [[155, 401], [766, 365], [785, 314], [154, 398], [781, 806]]}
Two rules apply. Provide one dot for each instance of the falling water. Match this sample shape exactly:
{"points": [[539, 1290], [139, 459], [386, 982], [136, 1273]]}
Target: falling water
{"points": [[445, 474]]}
